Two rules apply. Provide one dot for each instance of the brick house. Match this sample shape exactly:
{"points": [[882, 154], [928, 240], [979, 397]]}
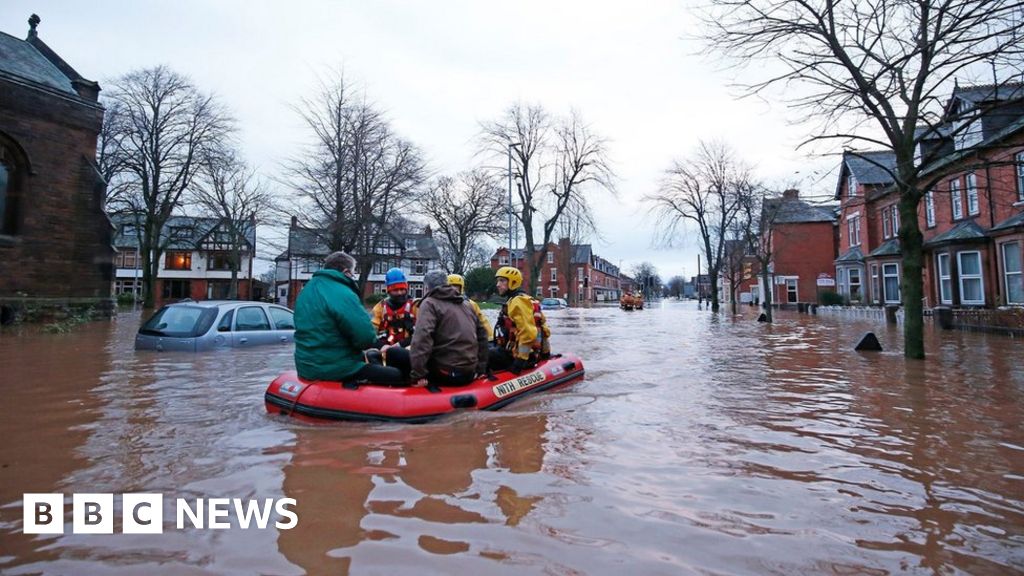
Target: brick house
{"points": [[195, 262], [868, 268], [55, 236], [973, 218], [415, 253], [570, 271], [744, 274], [803, 241]]}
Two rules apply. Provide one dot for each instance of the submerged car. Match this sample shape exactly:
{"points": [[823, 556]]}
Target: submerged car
{"points": [[207, 325], [553, 303]]}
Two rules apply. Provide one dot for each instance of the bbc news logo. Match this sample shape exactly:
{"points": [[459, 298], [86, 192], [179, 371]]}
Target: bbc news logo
{"points": [[144, 513]]}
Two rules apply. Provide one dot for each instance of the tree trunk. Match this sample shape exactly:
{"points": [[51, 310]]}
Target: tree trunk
{"points": [[766, 298], [911, 245]]}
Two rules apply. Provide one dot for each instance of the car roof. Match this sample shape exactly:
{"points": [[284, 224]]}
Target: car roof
{"points": [[217, 303]]}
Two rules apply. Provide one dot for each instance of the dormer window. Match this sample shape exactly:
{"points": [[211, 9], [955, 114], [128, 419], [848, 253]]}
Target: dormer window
{"points": [[410, 243]]}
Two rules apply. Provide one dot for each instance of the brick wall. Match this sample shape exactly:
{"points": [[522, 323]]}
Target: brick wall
{"points": [[61, 248], [803, 250]]}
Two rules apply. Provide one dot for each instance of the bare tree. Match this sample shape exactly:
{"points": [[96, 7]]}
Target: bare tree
{"points": [[228, 190], [874, 73], [157, 127], [757, 216], [558, 161], [647, 279], [675, 286], [703, 190], [355, 176], [576, 225], [464, 210]]}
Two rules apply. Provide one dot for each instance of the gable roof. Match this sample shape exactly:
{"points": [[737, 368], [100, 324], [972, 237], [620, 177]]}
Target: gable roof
{"points": [[796, 211], [310, 242], [21, 60], [178, 233], [581, 254], [985, 93]]}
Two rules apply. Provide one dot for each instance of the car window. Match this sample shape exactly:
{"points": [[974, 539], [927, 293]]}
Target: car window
{"points": [[251, 318], [175, 321], [225, 322], [282, 318]]}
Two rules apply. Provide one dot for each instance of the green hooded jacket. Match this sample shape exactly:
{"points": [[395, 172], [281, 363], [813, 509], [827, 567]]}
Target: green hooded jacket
{"points": [[331, 328]]}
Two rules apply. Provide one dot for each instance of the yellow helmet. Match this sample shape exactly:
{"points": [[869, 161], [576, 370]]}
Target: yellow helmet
{"points": [[458, 281], [514, 276]]}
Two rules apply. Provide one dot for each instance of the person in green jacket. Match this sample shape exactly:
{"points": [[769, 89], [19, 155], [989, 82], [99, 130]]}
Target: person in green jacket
{"points": [[332, 328]]}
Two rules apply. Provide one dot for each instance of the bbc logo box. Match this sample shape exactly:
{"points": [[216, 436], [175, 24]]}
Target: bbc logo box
{"points": [[93, 513]]}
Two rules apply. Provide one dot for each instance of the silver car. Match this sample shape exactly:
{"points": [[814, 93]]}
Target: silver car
{"points": [[211, 324]]}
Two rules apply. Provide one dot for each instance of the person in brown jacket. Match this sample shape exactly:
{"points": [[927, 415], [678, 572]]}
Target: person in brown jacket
{"points": [[449, 346]]}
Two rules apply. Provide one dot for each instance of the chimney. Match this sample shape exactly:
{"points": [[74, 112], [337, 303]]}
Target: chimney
{"points": [[791, 194], [428, 232], [295, 221]]}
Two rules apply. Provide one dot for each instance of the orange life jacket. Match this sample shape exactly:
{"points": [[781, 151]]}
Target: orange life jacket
{"points": [[397, 324]]}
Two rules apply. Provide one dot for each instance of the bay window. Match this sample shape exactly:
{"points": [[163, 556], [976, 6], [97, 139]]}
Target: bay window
{"points": [[972, 288]]}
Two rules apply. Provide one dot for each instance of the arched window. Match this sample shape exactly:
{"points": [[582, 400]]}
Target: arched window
{"points": [[11, 169]]}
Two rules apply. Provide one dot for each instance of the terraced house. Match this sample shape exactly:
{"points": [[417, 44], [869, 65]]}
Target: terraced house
{"points": [[972, 216]]}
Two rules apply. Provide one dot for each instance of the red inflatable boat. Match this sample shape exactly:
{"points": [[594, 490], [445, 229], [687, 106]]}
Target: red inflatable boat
{"points": [[316, 399]]}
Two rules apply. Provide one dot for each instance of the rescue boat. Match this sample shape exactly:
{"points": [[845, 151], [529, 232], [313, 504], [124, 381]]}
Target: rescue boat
{"points": [[290, 395]]}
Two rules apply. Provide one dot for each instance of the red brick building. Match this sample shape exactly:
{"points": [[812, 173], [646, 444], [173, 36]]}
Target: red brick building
{"points": [[55, 237], [803, 241], [868, 268], [570, 271], [972, 217]]}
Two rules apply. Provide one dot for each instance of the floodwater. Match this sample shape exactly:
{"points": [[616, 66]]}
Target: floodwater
{"points": [[697, 444]]}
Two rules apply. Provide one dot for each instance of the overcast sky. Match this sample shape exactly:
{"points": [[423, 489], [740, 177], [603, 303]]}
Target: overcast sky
{"points": [[439, 68]]}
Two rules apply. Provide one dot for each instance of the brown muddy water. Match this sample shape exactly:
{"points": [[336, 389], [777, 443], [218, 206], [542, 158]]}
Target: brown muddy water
{"points": [[697, 444]]}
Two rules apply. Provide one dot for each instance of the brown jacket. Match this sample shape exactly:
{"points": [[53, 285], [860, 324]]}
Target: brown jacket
{"points": [[448, 335]]}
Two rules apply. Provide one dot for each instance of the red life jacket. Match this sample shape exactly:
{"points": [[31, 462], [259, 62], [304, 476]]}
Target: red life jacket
{"points": [[397, 324], [505, 331]]}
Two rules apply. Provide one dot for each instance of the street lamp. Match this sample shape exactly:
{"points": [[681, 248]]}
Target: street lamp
{"points": [[511, 145]]}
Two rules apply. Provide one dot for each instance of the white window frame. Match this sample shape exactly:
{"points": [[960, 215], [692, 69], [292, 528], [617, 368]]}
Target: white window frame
{"points": [[540, 291], [1018, 277], [929, 208], [885, 276], [944, 278], [895, 220], [553, 291], [579, 273], [876, 285], [554, 274], [851, 283], [1020, 176], [886, 223], [961, 277], [851, 185], [853, 226], [503, 259], [973, 207], [793, 285], [956, 199], [551, 257]]}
